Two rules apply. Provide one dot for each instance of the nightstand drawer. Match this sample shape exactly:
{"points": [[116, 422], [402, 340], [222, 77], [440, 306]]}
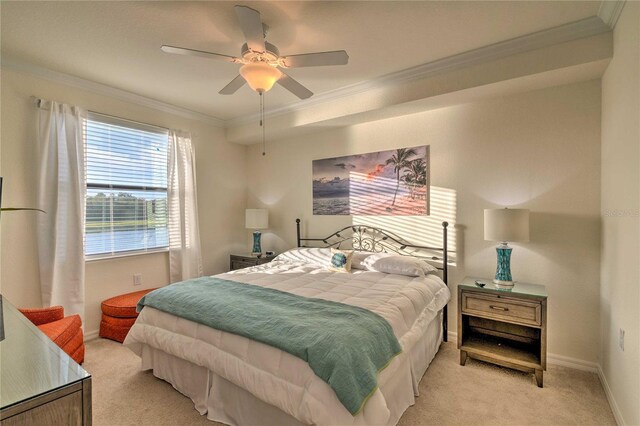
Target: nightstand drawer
{"points": [[500, 307], [239, 264], [237, 261]]}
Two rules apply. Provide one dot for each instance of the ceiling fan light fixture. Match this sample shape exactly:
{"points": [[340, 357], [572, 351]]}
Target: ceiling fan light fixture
{"points": [[260, 76]]}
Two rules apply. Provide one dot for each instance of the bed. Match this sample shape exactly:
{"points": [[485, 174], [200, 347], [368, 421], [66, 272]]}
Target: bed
{"points": [[240, 381]]}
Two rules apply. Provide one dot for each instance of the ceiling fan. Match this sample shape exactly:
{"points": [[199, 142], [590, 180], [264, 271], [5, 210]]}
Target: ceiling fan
{"points": [[261, 60]]}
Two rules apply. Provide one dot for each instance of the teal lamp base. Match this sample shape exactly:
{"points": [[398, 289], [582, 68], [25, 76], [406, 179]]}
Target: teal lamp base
{"points": [[257, 249], [503, 270]]}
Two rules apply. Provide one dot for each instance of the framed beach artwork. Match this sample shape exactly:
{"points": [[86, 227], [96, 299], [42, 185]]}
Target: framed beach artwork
{"points": [[385, 183]]}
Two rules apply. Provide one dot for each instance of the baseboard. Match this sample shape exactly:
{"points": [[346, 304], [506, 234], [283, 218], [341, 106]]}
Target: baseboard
{"points": [[91, 335], [575, 363], [617, 414]]}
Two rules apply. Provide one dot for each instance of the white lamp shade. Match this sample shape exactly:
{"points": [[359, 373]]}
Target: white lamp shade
{"points": [[256, 218], [506, 225], [260, 76]]}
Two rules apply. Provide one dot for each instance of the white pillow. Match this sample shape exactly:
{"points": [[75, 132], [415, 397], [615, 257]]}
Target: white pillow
{"points": [[396, 264], [314, 256], [357, 262]]}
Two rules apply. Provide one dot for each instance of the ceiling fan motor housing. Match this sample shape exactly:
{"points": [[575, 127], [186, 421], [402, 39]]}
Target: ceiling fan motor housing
{"points": [[271, 55]]}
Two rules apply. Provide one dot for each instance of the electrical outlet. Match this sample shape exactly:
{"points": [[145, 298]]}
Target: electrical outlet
{"points": [[621, 339], [137, 279]]}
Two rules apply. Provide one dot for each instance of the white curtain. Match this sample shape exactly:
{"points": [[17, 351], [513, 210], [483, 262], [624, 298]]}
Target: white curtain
{"points": [[61, 194], [185, 260]]}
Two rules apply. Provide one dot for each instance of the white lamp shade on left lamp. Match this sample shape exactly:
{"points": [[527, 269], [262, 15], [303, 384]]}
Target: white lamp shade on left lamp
{"points": [[256, 219]]}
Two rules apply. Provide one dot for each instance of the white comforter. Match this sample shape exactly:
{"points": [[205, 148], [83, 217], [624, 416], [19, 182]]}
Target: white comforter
{"points": [[409, 304]]}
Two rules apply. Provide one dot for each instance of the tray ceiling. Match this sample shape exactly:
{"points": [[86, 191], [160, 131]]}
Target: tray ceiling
{"points": [[118, 43]]}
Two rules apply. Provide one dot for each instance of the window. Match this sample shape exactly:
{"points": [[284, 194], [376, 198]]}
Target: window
{"points": [[126, 204]]}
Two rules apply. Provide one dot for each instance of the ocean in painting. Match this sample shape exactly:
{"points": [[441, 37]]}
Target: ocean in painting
{"points": [[394, 182], [331, 206]]}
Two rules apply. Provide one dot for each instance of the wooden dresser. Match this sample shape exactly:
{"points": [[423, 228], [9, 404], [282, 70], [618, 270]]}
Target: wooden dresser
{"points": [[39, 383], [239, 261], [504, 327]]}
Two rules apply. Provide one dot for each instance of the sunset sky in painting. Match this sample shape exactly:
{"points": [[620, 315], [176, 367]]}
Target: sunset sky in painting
{"points": [[371, 164]]}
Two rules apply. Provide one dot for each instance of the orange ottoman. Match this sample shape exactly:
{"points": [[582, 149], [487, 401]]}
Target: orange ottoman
{"points": [[66, 332], [119, 314]]}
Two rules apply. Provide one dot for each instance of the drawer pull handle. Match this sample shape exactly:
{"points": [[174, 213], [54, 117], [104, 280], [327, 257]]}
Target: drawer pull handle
{"points": [[498, 308]]}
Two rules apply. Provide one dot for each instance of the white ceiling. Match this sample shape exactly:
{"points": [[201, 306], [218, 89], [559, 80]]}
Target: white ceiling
{"points": [[118, 43]]}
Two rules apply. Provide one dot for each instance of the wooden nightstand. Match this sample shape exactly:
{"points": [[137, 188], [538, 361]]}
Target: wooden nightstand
{"points": [[239, 261], [504, 327]]}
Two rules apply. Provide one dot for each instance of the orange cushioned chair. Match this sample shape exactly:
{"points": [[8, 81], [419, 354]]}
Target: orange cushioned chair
{"points": [[119, 314], [65, 332]]}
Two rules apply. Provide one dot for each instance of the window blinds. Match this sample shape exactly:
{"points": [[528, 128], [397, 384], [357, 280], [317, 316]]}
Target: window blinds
{"points": [[126, 204]]}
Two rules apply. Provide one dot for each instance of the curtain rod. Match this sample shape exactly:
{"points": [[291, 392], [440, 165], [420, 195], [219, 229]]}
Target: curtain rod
{"points": [[38, 102]]}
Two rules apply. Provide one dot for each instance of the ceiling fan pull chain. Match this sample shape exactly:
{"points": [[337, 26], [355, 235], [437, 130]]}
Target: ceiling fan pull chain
{"points": [[261, 115], [264, 145]]}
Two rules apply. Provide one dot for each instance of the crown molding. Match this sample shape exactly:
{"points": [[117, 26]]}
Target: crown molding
{"points": [[103, 89], [610, 11], [563, 33]]}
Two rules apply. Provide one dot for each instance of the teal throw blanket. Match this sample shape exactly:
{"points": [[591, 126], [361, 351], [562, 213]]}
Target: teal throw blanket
{"points": [[344, 345]]}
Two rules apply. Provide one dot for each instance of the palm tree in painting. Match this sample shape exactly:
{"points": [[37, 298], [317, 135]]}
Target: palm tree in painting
{"points": [[415, 175], [400, 161]]}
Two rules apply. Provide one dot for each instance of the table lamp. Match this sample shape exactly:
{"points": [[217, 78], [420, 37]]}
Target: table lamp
{"points": [[505, 225], [256, 219]]}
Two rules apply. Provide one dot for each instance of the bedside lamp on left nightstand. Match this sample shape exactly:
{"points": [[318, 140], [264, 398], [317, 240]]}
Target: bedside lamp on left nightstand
{"points": [[256, 219]]}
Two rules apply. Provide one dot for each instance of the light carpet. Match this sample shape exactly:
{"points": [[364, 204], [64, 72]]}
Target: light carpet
{"points": [[476, 394]]}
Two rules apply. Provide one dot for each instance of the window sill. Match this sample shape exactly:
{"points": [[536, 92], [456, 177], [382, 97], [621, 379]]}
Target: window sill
{"points": [[101, 257]]}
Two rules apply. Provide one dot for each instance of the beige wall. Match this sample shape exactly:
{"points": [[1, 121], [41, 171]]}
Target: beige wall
{"points": [[620, 292], [539, 150], [221, 199]]}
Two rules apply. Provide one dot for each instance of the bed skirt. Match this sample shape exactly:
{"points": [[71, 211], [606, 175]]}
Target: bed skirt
{"points": [[228, 403]]}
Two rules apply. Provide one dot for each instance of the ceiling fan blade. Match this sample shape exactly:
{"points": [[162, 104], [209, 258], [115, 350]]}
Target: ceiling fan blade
{"points": [[233, 86], [294, 87], [251, 25], [201, 53], [336, 57]]}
